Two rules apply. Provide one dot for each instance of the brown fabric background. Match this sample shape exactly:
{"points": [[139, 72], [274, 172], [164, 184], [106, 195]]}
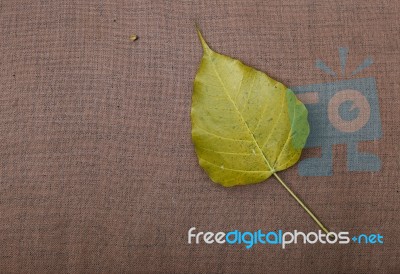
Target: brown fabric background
{"points": [[97, 169]]}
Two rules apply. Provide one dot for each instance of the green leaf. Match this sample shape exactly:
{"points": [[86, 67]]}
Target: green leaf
{"points": [[246, 126]]}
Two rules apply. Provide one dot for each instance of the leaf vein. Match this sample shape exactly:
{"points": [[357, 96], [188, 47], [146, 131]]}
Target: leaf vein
{"points": [[276, 121], [240, 86], [262, 115], [283, 165], [289, 133], [233, 169], [250, 92], [225, 152], [219, 136]]}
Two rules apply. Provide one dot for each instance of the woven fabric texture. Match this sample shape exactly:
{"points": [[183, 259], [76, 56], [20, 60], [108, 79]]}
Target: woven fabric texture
{"points": [[98, 173]]}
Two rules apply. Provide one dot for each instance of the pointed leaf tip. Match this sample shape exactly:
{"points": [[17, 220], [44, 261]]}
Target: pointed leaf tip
{"points": [[206, 48]]}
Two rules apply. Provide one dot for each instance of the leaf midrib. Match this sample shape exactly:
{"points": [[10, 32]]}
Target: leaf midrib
{"points": [[240, 114]]}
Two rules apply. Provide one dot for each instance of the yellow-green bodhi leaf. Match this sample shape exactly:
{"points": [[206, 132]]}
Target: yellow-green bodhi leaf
{"points": [[245, 125]]}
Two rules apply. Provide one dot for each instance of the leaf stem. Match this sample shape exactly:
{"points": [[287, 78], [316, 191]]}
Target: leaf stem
{"points": [[302, 204]]}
